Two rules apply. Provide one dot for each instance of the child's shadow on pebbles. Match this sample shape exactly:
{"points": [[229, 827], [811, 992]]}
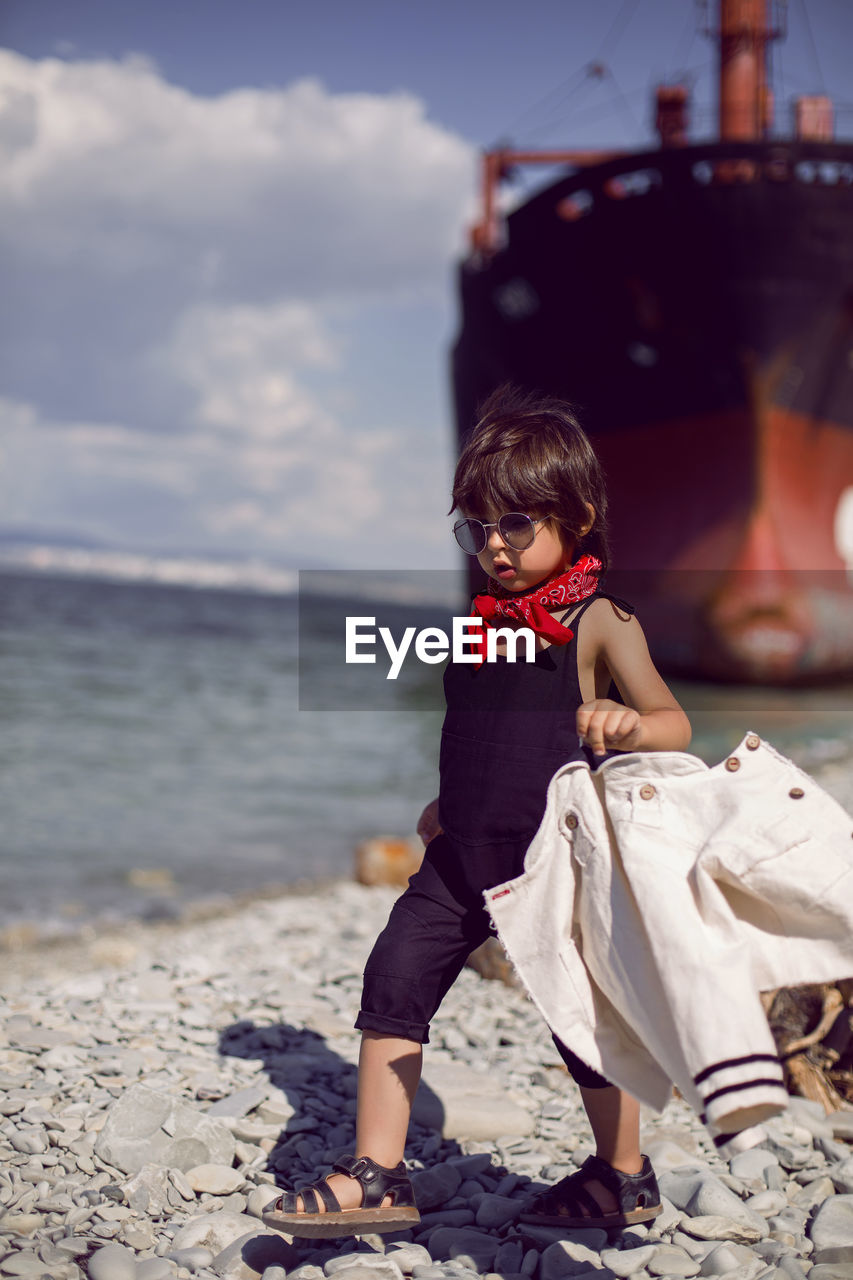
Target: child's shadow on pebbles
{"points": [[312, 1098], [313, 1101]]}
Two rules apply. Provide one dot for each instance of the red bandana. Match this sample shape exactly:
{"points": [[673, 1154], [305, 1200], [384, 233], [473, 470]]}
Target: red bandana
{"points": [[532, 608]]}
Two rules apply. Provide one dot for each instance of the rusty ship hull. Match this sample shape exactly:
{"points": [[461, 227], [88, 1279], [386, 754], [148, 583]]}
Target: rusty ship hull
{"points": [[696, 305]]}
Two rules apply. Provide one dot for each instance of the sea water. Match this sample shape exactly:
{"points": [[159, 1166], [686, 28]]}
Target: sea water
{"points": [[153, 753]]}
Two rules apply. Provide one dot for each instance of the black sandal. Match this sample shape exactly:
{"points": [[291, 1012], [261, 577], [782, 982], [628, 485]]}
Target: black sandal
{"points": [[376, 1182], [562, 1205]]}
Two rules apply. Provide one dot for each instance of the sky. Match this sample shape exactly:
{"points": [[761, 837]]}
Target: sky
{"points": [[230, 234]]}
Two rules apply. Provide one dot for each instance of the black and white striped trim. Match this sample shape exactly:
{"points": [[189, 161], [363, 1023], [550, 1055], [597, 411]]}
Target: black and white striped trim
{"points": [[737, 1075]]}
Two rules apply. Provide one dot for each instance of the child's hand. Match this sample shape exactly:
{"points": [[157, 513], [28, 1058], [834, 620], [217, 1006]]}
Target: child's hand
{"points": [[605, 724], [428, 827]]}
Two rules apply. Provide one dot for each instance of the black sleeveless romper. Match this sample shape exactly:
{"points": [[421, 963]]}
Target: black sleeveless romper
{"points": [[508, 728]]}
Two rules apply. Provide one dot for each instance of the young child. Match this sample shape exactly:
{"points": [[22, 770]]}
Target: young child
{"points": [[533, 509]]}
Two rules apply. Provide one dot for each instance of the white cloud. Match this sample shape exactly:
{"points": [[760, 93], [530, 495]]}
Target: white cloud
{"points": [[193, 284], [240, 361], [252, 193]]}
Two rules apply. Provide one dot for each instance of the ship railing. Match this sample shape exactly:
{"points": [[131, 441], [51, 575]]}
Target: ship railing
{"points": [[604, 177]]}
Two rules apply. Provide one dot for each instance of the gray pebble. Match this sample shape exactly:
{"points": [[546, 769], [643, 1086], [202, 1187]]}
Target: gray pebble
{"points": [[448, 1218], [29, 1141], [343, 1264], [453, 1242], [791, 1269], [434, 1187], [791, 1156], [842, 1175], [833, 1223], [810, 1116], [562, 1259], [767, 1203], [366, 1270], [255, 1251], [470, 1166], [407, 1256], [770, 1250], [835, 1152], [836, 1254], [712, 1199], [627, 1262], [753, 1163], [494, 1211], [696, 1249], [724, 1258], [71, 1246], [594, 1238], [669, 1260], [813, 1193], [192, 1259], [113, 1262], [26, 1263], [155, 1269], [716, 1227]]}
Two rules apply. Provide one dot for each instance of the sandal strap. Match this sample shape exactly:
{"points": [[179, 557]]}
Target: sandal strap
{"points": [[567, 1198], [319, 1190], [570, 1196], [330, 1200], [628, 1188], [376, 1181], [585, 1200], [595, 1167]]}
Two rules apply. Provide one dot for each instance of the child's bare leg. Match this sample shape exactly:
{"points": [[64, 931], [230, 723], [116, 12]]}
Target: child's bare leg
{"points": [[614, 1117], [389, 1069], [615, 1120]]}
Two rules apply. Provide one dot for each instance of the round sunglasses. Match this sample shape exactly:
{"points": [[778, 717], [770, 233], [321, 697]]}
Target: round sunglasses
{"points": [[516, 530]]}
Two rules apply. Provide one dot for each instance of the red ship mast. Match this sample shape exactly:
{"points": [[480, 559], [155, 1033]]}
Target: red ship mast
{"points": [[746, 100]]}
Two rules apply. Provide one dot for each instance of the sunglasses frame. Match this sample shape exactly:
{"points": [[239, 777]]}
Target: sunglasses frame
{"points": [[496, 524]]}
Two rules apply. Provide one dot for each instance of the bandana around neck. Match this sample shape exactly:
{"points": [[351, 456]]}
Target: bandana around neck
{"points": [[533, 608]]}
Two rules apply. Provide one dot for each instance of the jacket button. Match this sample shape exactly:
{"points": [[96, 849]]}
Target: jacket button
{"points": [[753, 742], [571, 821], [733, 764], [647, 791], [796, 793]]}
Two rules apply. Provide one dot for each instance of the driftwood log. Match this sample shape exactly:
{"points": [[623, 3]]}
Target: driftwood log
{"points": [[813, 1030]]}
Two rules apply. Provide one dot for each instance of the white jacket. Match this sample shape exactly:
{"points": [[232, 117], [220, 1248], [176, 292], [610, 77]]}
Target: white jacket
{"points": [[658, 898]]}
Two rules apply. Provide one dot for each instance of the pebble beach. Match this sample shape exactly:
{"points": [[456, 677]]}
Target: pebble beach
{"points": [[156, 1084]]}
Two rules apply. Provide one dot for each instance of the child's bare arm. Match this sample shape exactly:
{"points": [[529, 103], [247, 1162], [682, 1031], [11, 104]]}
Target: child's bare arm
{"points": [[428, 827], [652, 719]]}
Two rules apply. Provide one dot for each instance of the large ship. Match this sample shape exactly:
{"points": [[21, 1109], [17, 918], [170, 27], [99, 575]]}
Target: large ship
{"points": [[695, 302]]}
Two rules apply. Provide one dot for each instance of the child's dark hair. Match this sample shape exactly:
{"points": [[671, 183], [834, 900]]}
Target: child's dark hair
{"points": [[529, 453]]}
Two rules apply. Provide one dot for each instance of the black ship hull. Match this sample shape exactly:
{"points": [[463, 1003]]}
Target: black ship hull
{"points": [[696, 304]]}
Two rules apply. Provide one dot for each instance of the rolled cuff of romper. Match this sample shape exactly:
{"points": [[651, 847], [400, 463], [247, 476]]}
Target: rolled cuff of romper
{"points": [[398, 1027]]}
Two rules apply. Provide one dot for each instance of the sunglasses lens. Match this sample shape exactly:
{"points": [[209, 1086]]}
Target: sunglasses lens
{"points": [[470, 535], [517, 531]]}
